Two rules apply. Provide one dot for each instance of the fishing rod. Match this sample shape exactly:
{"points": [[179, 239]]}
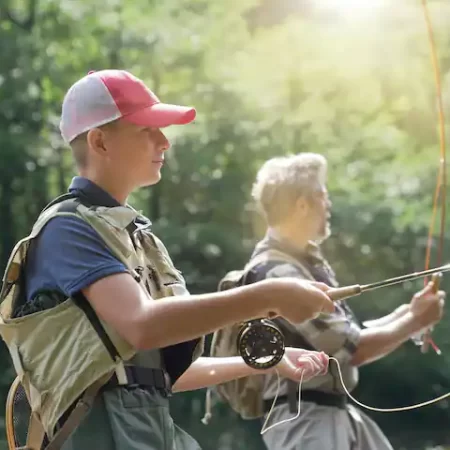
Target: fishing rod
{"points": [[357, 289], [261, 343]]}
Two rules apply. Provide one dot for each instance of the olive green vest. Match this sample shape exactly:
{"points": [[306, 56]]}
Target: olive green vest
{"points": [[56, 352]]}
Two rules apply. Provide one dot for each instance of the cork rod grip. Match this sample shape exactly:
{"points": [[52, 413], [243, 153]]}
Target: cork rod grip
{"points": [[335, 294], [344, 292]]}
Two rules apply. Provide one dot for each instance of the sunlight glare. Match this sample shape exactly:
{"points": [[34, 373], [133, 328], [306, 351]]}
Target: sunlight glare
{"points": [[352, 7]]}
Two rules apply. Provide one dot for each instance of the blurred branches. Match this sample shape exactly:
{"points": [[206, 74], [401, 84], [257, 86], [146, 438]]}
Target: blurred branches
{"points": [[356, 88]]}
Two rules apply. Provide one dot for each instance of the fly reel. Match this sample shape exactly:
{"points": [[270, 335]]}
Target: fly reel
{"points": [[261, 344]]}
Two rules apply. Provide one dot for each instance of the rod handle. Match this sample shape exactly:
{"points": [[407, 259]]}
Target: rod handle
{"points": [[436, 280], [344, 292]]}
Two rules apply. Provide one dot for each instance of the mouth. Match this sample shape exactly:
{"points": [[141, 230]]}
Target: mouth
{"points": [[158, 161]]}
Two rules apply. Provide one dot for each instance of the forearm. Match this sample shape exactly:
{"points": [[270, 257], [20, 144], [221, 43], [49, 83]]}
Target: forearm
{"points": [[207, 371], [389, 318], [379, 341], [182, 318], [147, 323]]}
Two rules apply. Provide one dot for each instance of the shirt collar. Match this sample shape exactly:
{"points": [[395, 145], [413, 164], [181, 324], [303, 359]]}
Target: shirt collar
{"points": [[311, 253], [97, 196], [92, 192]]}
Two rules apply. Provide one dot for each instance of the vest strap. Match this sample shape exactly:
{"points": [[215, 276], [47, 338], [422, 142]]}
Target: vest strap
{"points": [[82, 407], [36, 433]]}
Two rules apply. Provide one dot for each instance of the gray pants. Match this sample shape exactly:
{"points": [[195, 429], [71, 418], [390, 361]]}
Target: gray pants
{"points": [[324, 428], [135, 419]]}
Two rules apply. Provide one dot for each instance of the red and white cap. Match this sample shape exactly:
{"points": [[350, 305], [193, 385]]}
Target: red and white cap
{"points": [[104, 96]]}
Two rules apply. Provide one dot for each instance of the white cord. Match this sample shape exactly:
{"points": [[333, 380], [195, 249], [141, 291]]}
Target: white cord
{"points": [[371, 408], [264, 429], [387, 410]]}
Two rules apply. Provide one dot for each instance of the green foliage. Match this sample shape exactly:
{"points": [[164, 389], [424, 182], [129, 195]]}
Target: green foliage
{"points": [[358, 89]]}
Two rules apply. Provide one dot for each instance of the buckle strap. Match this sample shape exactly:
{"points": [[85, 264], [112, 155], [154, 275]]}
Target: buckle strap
{"points": [[144, 377]]}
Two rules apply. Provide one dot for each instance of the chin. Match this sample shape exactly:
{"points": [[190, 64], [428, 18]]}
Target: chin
{"points": [[324, 235], [152, 180]]}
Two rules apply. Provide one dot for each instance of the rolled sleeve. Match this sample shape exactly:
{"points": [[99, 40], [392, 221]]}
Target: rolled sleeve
{"points": [[336, 334]]}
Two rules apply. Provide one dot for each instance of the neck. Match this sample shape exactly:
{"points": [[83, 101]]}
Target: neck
{"points": [[109, 184], [293, 234]]}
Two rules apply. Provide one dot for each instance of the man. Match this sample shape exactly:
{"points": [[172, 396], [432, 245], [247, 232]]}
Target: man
{"points": [[85, 309], [291, 192]]}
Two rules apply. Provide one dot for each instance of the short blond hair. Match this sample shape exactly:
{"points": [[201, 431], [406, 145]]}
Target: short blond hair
{"points": [[282, 180]]}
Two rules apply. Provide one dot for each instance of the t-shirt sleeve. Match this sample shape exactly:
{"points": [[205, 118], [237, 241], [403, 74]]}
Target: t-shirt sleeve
{"points": [[69, 255]]}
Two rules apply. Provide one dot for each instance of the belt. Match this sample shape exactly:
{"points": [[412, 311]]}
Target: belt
{"points": [[144, 377], [318, 397]]}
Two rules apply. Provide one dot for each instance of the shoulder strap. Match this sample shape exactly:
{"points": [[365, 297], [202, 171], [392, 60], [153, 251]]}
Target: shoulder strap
{"points": [[68, 196], [60, 199]]}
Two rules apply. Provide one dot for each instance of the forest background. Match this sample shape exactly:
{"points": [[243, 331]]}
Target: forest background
{"points": [[350, 80]]}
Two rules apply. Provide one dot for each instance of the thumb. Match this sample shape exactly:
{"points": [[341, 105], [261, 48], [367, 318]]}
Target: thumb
{"points": [[327, 303]]}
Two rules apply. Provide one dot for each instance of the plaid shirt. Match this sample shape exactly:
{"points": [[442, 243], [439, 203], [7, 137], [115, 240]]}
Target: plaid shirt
{"points": [[336, 334]]}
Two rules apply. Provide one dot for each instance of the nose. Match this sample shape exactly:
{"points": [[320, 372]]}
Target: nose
{"points": [[163, 142]]}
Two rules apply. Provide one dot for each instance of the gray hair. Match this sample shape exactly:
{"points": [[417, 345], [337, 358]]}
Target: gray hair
{"points": [[282, 180]]}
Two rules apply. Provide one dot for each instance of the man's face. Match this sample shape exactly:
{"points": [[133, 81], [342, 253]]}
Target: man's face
{"points": [[136, 152], [321, 204], [313, 214]]}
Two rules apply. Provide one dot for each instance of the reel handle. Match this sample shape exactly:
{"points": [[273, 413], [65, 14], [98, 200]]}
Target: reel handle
{"points": [[436, 280]]}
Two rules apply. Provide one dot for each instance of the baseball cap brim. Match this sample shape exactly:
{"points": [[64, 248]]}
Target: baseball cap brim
{"points": [[162, 115]]}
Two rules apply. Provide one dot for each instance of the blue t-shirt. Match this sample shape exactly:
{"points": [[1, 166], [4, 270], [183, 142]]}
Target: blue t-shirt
{"points": [[69, 255]]}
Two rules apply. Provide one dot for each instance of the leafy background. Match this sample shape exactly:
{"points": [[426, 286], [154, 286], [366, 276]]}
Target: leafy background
{"points": [[267, 78]]}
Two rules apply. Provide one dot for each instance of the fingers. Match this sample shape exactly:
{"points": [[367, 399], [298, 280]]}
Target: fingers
{"points": [[312, 364], [430, 297], [325, 361], [428, 289], [300, 364], [319, 363], [328, 305], [322, 286]]}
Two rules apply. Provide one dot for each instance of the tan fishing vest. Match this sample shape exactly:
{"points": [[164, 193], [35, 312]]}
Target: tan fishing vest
{"points": [[56, 353]]}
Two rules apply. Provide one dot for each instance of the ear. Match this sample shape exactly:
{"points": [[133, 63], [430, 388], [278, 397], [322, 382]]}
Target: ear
{"points": [[302, 207], [96, 141]]}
